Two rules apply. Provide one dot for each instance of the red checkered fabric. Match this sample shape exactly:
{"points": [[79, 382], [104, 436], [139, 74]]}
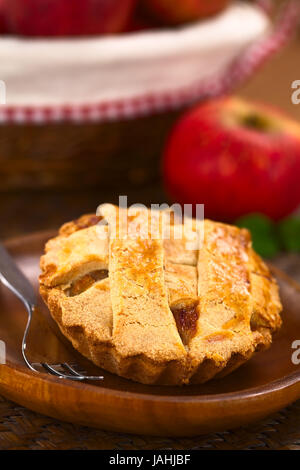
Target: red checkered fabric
{"points": [[242, 68]]}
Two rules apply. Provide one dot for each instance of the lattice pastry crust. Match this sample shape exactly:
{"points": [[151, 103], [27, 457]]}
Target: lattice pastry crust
{"points": [[152, 310]]}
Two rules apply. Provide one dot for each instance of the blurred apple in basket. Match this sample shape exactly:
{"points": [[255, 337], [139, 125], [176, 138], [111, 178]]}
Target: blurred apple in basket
{"points": [[3, 22], [235, 157], [67, 17], [140, 21], [172, 12]]}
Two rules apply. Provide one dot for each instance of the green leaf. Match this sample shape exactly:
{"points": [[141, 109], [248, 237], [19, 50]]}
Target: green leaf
{"points": [[289, 234], [263, 231]]}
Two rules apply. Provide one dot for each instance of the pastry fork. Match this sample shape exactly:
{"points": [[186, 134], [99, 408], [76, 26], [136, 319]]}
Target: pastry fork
{"points": [[14, 279]]}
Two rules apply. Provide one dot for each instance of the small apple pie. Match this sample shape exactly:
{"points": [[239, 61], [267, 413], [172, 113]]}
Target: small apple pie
{"points": [[168, 302]]}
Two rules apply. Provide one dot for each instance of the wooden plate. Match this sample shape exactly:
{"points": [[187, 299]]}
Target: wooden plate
{"points": [[265, 384]]}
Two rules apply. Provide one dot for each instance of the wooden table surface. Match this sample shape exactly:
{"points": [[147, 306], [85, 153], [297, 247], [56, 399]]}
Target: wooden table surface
{"points": [[24, 212]]}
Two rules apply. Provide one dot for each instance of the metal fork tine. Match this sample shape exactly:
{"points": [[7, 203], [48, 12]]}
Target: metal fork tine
{"points": [[60, 374], [93, 377], [70, 369], [77, 367], [50, 369], [86, 377], [74, 374]]}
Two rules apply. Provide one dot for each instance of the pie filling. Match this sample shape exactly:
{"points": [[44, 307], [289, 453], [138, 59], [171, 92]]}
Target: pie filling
{"points": [[88, 222], [85, 282], [257, 321], [186, 314]]}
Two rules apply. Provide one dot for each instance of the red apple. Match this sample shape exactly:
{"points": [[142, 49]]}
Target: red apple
{"points": [[3, 22], [183, 11], [68, 17], [140, 22], [235, 157]]}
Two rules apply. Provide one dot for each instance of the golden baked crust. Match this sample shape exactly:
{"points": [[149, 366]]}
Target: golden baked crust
{"points": [[153, 311]]}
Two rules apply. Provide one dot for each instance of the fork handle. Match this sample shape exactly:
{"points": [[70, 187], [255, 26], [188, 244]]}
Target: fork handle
{"points": [[14, 279]]}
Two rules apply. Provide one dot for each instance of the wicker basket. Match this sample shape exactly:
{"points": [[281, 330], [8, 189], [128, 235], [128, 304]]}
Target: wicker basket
{"points": [[111, 155], [115, 144]]}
